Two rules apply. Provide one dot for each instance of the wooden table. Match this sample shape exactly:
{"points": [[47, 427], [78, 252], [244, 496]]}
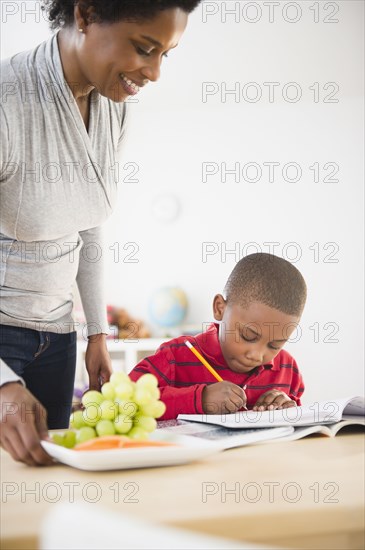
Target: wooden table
{"points": [[302, 494]]}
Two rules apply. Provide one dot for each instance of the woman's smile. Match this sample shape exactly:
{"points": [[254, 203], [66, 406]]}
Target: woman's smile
{"points": [[131, 87]]}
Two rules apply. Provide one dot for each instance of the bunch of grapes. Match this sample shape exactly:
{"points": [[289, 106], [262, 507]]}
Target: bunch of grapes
{"points": [[122, 407]]}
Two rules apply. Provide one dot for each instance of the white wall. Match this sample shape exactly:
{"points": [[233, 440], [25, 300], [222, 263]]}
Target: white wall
{"points": [[173, 132]]}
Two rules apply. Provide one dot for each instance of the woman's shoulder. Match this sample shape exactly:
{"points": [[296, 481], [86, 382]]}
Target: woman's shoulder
{"points": [[26, 64], [11, 85], [11, 67], [7, 73], [20, 79]]}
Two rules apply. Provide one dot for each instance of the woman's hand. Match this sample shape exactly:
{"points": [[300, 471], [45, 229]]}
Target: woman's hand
{"points": [[98, 362], [23, 425], [273, 399]]}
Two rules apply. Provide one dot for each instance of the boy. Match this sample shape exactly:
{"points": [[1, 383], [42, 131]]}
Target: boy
{"points": [[264, 299]]}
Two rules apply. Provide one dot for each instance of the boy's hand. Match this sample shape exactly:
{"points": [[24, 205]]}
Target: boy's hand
{"points": [[222, 398], [273, 399]]}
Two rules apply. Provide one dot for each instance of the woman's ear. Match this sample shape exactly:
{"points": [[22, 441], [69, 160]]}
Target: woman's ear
{"points": [[219, 305], [84, 15]]}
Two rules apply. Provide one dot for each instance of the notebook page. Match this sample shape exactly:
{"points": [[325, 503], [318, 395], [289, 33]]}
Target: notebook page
{"points": [[355, 407]]}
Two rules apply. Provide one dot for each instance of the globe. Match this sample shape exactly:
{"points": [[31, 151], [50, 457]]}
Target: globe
{"points": [[168, 306]]}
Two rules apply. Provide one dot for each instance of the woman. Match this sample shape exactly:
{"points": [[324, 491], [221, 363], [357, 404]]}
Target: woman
{"points": [[62, 122]]}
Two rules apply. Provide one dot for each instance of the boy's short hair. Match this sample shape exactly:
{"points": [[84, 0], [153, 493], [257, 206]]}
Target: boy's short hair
{"points": [[268, 279]]}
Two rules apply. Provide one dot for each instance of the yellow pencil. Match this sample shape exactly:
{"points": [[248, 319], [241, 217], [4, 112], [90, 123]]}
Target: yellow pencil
{"points": [[204, 361], [206, 364]]}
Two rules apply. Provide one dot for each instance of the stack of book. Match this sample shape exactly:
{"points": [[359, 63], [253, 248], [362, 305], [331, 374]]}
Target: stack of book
{"points": [[252, 427]]}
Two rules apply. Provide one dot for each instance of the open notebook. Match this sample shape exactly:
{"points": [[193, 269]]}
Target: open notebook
{"points": [[326, 417], [330, 430], [224, 438]]}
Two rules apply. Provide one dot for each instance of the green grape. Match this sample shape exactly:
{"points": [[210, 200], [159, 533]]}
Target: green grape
{"points": [[107, 390], [57, 439], [76, 420], [122, 406], [91, 414], [142, 397], [149, 409], [147, 423], [129, 409], [159, 409], [154, 408], [105, 427], [155, 393], [138, 433], [84, 434], [118, 377], [123, 424], [120, 403], [109, 410], [147, 381], [126, 407], [69, 439], [124, 390], [92, 396]]}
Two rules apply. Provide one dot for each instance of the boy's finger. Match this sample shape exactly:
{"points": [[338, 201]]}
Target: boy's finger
{"points": [[230, 406], [237, 390], [276, 402], [265, 399], [238, 396], [233, 404], [279, 402], [288, 404], [280, 399]]}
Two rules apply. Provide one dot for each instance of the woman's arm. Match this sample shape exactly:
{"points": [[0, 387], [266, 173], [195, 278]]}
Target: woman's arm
{"points": [[8, 375], [90, 281]]}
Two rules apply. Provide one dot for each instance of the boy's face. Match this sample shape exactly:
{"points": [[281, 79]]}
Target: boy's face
{"points": [[252, 336]]}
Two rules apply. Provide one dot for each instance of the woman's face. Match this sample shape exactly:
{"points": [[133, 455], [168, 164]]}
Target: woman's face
{"points": [[119, 58]]}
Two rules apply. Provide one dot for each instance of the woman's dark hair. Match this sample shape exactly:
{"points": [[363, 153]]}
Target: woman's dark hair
{"points": [[61, 12]]}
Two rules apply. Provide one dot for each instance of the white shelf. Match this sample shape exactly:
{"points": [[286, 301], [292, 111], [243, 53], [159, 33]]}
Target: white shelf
{"points": [[125, 354], [141, 344]]}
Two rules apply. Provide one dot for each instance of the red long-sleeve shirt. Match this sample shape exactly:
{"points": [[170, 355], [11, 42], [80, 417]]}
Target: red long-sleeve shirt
{"points": [[182, 378]]}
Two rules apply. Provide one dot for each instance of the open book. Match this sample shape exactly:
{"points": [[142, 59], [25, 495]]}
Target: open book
{"points": [[225, 438], [325, 417], [325, 429]]}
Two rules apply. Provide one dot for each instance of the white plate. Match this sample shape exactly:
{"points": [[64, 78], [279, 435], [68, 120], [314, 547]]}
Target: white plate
{"points": [[187, 450]]}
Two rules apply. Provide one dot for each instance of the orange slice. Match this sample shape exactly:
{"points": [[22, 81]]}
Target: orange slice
{"points": [[101, 443], [118, 442]]}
